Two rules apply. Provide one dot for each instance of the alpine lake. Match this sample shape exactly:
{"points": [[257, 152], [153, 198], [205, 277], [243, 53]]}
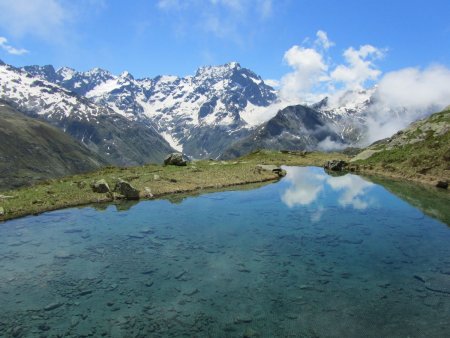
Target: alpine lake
{"points": [[312, 255]]}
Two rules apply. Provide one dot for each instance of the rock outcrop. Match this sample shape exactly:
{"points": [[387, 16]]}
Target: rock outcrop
{"points": [[101, 186], [175, 159]]}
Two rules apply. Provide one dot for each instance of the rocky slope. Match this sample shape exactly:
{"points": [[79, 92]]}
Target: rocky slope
{"points": [[32, 150], [293, 128], [112, 136]]}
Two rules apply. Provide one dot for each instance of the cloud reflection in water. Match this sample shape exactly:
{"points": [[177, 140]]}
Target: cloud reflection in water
{"points": [[307, 184]]}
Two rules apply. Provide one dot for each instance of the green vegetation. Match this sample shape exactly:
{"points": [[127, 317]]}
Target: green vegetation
{"points": [[160, 180], [420, 152]]}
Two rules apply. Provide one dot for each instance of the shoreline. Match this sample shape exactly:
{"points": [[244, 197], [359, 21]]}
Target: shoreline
{"points": [[157, 181]]}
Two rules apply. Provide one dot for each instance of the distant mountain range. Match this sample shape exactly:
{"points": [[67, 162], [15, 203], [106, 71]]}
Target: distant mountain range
{"points": [[217, 112]]}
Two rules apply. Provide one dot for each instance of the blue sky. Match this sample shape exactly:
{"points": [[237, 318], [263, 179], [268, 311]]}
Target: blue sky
{"points": [[149, 38]]}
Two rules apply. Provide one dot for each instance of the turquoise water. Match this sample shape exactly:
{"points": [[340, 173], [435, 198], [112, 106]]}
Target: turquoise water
{"points": [[309, 256]]}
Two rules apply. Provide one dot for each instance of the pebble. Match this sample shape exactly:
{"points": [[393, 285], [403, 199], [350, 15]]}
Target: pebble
{"points": [[53, 306], [191, 292]]}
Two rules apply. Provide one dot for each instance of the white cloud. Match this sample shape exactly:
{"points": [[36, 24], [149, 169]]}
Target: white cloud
{"points": [[41, 18], [10, 49], [322, 40], [406, 95], [309, 69], [314, 74], [329, 145], [273, 83], [360, 68]]}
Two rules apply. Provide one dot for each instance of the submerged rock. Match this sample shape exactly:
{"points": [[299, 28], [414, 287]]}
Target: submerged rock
{"points": [[335, 165], [175, 159], [127, 190], [53, 306], [101, 186]]}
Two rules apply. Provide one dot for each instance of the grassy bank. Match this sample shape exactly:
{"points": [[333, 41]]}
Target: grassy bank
{"points": [[160, 180]]}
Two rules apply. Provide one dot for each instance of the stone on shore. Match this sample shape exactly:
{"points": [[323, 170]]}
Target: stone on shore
{"points": [[101, 186], [335, 165], [127, 190], [273, 168]]}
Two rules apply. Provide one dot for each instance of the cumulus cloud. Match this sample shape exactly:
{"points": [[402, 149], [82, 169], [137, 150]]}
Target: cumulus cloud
{"points": [[359, 69], [309, 70], [405, 96], [314, 75], [400, 97], [10, 49]]}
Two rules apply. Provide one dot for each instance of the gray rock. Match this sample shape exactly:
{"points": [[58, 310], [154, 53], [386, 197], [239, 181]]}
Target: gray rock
{"points": [[127, 190], [101, 186], [175, 159], [335, 165]]}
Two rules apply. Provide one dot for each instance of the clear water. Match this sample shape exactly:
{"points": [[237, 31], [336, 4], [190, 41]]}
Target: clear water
{"points": [[309, 256]]}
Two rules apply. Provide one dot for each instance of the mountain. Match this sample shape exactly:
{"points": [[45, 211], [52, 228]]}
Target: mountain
{"points": [[200, 114], [293, 128], [32, 150], [117, 139], [421, 151], [348, 113]]}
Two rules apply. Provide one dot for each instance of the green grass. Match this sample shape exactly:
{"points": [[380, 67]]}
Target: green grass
{"points": [[197, 176]]}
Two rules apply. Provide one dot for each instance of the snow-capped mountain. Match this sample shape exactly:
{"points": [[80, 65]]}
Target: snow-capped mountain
{"points": [[347, 112], [200, 114], [116, 139]]}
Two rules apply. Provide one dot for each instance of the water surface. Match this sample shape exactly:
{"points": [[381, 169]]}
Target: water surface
{"points": [[310, 256]]}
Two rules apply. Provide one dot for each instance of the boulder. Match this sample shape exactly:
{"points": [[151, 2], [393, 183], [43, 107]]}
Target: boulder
{"points": [[335, 165], [175, 159], [442, 184], [127, 190], [101, 186], [273, 168]]}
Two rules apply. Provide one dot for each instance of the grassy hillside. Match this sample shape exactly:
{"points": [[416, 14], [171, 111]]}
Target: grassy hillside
{"points": [[420, 152], [32, 150]]}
